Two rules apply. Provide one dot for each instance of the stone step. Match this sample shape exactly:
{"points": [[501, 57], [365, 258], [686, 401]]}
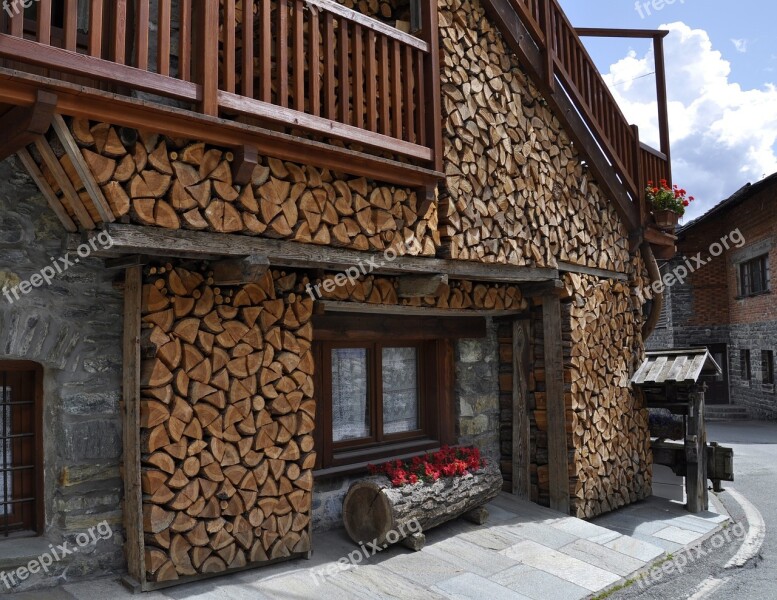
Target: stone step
{"points": [[726, 413]]}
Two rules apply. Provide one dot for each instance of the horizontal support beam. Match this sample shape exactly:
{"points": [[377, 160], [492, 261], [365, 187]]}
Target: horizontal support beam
{"points": [[403, 326], [21, 88], [133, 239], [621, 33], [337, 306], [659, 238], [601, 273]]}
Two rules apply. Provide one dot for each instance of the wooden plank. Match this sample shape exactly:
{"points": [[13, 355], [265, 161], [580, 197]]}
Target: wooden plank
{"points": [[44, 22], [282, 53], [336, 306], [90, 184], [396, 90], [329, 126], [299, 56], [366, 22], [228, 43], [70, 25], [407, 68], [601, 273], [46, 190], [266, 51], [696, 455], [342, 326], [96, 28], [521, 439], [357, 57], [185, 40], [163, 37], [133, 239], [384, 94], [314, 69], [119, 23], [372, 91], [329, 67], [558, 459], [248, 48], [17, 21], [133, 496], [142, 21], [64, 183], [420, 99], [433, 108], [22, 125], [343, 64], [209, 59]]}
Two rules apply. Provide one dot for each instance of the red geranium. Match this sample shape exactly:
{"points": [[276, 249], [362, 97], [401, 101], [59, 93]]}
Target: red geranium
{"points": [[446, 462]]}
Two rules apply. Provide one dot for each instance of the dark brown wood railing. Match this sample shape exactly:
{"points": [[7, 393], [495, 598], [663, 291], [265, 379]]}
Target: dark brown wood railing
{"points": [[569, 63], [310, 65]]}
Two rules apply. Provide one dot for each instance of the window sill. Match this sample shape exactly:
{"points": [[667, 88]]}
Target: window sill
{"points": [[354, 462], [758, 295], [17, 551]]}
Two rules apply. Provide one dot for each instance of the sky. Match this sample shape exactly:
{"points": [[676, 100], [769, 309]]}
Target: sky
{"points": [[721, 61]]}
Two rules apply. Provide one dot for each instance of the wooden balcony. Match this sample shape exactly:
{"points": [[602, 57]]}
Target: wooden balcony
{"points": [[372, 87]]}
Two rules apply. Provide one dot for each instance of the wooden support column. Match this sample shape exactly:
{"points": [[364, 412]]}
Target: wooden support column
{"points": [[521, 434], [133, 497], [22, 125], [696, 454], [558, 460]]}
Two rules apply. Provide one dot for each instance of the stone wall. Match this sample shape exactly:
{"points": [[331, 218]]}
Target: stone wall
{"points": [[73, 329]]}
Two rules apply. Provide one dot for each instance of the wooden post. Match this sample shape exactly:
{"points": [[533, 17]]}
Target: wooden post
{"points": [[548, 56], [133, 497], [558, 460], [208, 64], [639, 177], [696, 454], [663, 102], [521, 434], [430, 26]]}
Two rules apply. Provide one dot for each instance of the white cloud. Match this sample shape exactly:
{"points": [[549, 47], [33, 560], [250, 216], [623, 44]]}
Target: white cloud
{"points": [[723, 136], [740, 45]]}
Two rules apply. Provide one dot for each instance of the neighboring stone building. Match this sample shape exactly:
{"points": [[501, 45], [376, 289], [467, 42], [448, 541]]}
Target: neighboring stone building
{"points": [[729, 304]]}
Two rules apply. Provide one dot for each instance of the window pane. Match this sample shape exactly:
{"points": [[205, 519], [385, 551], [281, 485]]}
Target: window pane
{"points": [[400, 390], [350, 397]]}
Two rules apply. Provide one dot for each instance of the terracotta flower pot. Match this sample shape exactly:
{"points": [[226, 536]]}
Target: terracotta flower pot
{"points": [[667, 219]]}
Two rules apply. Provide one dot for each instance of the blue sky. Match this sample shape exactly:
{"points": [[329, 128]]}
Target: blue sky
{"points": [[722, 71]]}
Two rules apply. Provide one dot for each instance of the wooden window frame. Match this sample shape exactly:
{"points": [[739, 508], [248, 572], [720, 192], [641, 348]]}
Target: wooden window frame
{"points": [[436, 379], [34, 524], [747, 272]]}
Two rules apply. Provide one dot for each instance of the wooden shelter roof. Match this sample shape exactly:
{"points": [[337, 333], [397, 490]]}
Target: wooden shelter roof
{"points": [[675, 366]]}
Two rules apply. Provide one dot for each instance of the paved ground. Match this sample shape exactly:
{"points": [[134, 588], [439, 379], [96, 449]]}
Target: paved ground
{"points": [[523, 552], [705, 576]]}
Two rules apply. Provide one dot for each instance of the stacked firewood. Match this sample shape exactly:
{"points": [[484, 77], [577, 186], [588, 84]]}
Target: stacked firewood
{"points": [[517, 190], [174, 183], [227, 416], [607, 422]]}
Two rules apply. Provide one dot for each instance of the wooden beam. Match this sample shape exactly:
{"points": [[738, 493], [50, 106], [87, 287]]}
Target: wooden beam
{"points": [[48, 193], [133, 239], [124, 262], [246, 159], [558, 459], [530, 56], [521, 445], [545, 288], [336, 306], [83, 170], [601, 273], [21, 125], [240, 271], [420, 286], [659, 238], [621, 33], [405, 328], [133, 497]]}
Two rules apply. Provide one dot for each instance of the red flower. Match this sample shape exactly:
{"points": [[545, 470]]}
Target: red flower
{"points": [[686, 203]]}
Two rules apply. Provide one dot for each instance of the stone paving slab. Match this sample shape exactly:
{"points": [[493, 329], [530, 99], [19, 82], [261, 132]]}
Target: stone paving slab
{"points": [[468, 586], [539, 585], [598, 555]]}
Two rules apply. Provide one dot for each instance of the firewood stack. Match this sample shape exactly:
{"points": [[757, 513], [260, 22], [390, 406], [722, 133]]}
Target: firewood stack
{"points": [[159, 181], [608, 424], [517, 190], [227, 416]]}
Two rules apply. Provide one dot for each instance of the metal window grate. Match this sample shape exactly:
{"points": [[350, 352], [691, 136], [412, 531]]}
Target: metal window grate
{"points": [[18, 451]]}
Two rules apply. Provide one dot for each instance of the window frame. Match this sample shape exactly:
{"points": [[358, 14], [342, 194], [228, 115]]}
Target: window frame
{"points": [[745, 365], [34, 524], [748, 270], [767, 367]]}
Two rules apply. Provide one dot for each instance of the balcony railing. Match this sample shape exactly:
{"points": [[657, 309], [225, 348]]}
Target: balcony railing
{"points": [[309, 65], [568, 61]]}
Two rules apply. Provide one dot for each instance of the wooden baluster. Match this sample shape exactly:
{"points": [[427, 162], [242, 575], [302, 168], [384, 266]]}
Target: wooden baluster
{"points": [[420, 99], [408, 100], [248, 48], [228, 44], [71, 24], [17, 20], [185, 40], [329, 67], [372, 74], [383, 77], [163, 37], [640, 178], [208, 63], [298, 87], [396, 89], [357, 52], [342, 68], [282, 53], [142, 22], [119, 50], [95, 28], [266, 54], [44, 22], [314, 62], [547, 29]]}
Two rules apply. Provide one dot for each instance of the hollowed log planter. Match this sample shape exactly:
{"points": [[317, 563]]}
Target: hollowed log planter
{"points": [[666, 220], [374, 511]]}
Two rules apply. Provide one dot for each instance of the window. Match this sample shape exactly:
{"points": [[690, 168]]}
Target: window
{"points": [[386, 392], [754, 276], [20, 437], [767, 366], [744, 365]]}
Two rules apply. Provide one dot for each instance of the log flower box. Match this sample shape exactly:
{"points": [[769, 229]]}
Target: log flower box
{"points": [[396, 504]]}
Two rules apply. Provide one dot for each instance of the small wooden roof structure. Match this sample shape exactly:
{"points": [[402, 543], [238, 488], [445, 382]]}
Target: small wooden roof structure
{"points": [[675, 367]]}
